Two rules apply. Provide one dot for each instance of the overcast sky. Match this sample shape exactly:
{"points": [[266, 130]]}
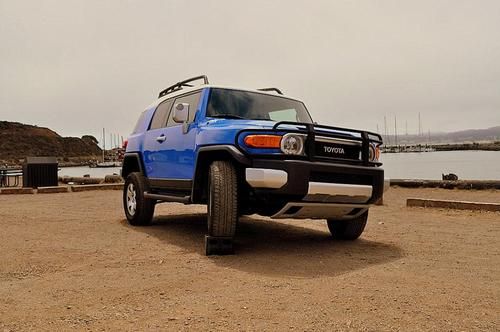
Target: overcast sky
{"points": [[78, 66]]}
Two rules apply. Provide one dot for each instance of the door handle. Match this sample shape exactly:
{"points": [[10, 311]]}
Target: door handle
{"points": [[160, 139]]}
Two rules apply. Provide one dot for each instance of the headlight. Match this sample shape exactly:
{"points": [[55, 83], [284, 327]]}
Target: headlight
{"points": [[292, 144], [374, 152]]}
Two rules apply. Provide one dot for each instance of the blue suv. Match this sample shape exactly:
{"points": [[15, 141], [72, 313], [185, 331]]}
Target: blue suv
{"points": [[243, 152]]}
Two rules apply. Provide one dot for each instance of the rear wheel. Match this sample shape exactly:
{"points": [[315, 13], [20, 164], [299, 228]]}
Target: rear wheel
{"points": [[348, 229], [222, 206], [138, 209]]}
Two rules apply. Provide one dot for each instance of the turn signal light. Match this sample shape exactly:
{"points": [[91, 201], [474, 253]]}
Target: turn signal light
{"points": [[263, 141]]}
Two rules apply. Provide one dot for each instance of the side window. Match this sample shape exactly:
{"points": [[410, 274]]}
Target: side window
{"points": [[160, 117], [192, 100], [139, 123]]}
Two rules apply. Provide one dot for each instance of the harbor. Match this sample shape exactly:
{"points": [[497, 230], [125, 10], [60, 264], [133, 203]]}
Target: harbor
{"points": [[415, 165]]}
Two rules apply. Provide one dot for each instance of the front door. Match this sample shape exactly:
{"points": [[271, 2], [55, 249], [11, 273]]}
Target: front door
{"points": [[168, 152]]}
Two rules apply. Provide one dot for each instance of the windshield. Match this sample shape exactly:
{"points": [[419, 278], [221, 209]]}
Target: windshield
{"points": [[236, 104]]}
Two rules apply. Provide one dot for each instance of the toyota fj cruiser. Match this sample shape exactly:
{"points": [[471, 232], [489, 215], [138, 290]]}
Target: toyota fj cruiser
{"points": [[248, 151]]}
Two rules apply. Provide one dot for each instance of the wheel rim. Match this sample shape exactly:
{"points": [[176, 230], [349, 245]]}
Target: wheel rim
{"points": [[131, 199]]}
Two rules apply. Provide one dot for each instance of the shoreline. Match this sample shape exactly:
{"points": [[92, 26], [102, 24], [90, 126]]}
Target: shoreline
{"points": [[403, 183], [440, 147], [115, 182]]}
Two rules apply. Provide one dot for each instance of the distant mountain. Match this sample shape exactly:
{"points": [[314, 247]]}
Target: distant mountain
{"points": [[464, 136], [18, 141]]}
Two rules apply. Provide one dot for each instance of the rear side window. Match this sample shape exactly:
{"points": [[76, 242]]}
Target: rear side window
{"points": [[139, 123], [284, 115], [193, 100], [161, 114]]}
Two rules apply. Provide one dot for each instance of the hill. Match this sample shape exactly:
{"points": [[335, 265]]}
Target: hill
{"points": [[464, 136], [18, 141]]}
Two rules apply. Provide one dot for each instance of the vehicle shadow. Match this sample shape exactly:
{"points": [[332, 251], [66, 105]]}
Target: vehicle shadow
{"points": [[275, 248]]}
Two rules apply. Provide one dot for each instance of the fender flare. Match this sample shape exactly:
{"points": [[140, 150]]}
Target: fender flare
{"points": [[138, 159], [208, 154]]}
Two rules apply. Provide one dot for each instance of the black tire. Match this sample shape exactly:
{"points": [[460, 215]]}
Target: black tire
{"points": [[222, 199], [348, 229], [142, 214]]}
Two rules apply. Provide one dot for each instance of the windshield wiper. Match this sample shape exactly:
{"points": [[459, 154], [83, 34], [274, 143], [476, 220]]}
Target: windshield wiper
{"points": [[228, 116]]}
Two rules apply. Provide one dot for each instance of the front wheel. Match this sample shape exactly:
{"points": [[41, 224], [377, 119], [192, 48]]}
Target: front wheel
{"points": [[138, 209], [348, 229], [222, 199], [222, 207]]}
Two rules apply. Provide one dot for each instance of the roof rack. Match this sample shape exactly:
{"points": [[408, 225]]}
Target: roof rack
{"points": [[178, 86], [271, 89]]}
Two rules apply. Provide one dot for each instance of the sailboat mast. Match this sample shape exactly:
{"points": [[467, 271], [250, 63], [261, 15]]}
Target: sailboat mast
{"points": [[385, 130], [395, 131], [419, 125], [103, 143]]}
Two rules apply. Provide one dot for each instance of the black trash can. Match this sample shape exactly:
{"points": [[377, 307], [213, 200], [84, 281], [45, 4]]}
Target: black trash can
{"points": [[40, 172]]}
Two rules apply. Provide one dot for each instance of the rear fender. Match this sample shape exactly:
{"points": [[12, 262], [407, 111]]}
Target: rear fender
{"points": [[132, 162]]}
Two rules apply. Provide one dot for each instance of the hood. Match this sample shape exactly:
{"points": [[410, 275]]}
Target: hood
{"points": [[240, 123]]}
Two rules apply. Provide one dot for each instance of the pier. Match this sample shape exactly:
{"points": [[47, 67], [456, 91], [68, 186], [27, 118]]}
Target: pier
{"points": [[431, 147]]}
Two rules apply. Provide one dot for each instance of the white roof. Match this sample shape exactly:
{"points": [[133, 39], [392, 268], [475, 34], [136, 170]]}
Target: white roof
{"points": [[202, 86]]}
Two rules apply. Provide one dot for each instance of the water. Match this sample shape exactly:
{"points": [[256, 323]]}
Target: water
{"points": [[469, 165], [93, 172]]}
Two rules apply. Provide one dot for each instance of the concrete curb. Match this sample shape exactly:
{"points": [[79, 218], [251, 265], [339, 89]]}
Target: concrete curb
{"points": [[14, 191], [61, 189], [104, 186], [445, 184], [448, 204], [52, 190]]}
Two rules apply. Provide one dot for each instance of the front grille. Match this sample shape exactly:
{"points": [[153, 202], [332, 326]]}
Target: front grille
{"points": [[338, 148], [340, 178], [329, 150]]}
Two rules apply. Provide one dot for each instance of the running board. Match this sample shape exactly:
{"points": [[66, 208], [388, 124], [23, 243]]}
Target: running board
{"points": [[168, 198]]}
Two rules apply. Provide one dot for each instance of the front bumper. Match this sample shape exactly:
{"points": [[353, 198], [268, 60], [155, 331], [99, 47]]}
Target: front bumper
{"points": [[317, 189]]}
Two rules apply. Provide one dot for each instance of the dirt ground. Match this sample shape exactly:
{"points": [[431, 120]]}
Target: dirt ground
{"points": [[71, 262]]}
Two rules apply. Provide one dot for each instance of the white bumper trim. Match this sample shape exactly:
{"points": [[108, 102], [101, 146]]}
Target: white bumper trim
{"points": [[266, 178], [339, 189]]}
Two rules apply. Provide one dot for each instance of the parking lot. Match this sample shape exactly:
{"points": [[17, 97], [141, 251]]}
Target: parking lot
{"points": [[70, 261]]}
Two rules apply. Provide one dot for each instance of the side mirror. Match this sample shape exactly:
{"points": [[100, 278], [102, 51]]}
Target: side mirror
{"points": [[181, 113]]}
